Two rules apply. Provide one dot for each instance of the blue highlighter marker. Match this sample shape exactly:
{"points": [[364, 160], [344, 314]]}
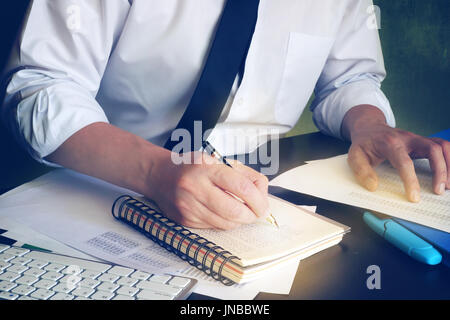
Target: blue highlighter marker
{"points": [[403, 239]]}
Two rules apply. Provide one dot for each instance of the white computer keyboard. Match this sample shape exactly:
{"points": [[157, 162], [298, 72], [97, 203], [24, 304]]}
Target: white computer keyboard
{"points": [[31, 274]]}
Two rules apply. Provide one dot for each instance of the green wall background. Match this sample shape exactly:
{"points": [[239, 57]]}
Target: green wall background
{"points": [[415, 36]]}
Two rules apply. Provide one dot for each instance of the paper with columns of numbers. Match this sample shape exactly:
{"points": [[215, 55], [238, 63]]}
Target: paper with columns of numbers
{"points": [[74, 209], [332, 179]]}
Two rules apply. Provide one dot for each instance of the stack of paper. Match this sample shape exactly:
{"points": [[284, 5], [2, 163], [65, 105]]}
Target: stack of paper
{"points": [[332, 179], [75, 209]]}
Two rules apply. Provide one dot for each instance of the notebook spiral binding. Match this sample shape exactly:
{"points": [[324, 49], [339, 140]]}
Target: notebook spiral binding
{"points": [[139, 215]]}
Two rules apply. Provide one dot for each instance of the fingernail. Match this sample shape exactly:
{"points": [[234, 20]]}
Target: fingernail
{"points": [[415, 196], [371, 184], [267, 213], [441, 188]]}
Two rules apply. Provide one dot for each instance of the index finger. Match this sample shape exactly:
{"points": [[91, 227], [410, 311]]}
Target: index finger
{"points": [[237, 184], [259, 180], [400, 159]]}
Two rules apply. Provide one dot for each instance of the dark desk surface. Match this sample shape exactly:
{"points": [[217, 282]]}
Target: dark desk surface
{"points": [[341, 271]]}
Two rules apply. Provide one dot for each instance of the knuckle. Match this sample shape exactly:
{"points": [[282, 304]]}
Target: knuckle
{"points": [[405, 163], [184, 183], [442, 174], [435, 149], [264, 179], [235, 210], [392, 140], [245, 187], [181, 205]]}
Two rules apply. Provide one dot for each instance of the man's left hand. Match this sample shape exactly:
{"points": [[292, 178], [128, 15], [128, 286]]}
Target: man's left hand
{"points": [[373, 142]]}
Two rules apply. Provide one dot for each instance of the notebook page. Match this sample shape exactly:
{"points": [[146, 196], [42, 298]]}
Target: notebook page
{"points": [[261, 242], [332, 179]]}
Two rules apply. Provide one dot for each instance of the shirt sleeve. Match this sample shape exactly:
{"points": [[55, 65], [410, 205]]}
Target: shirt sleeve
{"points": [[55, 70], [353, 72]]}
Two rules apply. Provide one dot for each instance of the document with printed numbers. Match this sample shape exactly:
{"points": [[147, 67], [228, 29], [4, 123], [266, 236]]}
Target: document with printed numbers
{"points": [[332, 179], [75, 209]]}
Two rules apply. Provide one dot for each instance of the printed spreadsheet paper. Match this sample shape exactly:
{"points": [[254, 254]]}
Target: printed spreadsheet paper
{"points": [[75, 209], [332, 179]]}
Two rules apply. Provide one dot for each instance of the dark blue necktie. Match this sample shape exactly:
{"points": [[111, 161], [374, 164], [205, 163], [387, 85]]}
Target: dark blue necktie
{"points": [[225, 60]]}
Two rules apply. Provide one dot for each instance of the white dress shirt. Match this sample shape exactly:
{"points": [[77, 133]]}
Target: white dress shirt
{"points": [[135, 64]]}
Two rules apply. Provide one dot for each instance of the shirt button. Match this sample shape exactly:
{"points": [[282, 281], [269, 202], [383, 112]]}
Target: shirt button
{"points": [[240, 101]]}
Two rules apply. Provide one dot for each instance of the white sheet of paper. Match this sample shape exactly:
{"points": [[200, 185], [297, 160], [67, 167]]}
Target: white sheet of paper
{"points": [[75, 209], [332, 179], [280, 282], [24, 234]]}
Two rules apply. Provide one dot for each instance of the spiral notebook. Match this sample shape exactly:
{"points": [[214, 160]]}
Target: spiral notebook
{"points": [[242, 254]]}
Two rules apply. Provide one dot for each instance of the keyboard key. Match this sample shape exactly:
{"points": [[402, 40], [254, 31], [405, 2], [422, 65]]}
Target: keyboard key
{"points": [[4, 265], [6, 257], [9, 276], [121, 271], [35, 272], [158, 287], [20, 260], [102, 295], [159, 278], [3, 247], [28, 280], [72, 269], [23, 290], [42, 294], [89, 283], [151, 295], [108, 277], [63, 288], [8, 295], [45, 284], [6, 285], [83, 264], [91, 274], [70, 280], [62, 296], [127, 291], [17, 268], [107, 286], [55, 267], [82, 292], [121, 297], [26, 298], [51, 275], [37, 264], [179, 282], [17, 251], [125, 281], [140, 275]]}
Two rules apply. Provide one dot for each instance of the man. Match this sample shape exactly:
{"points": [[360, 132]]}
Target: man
{"points": [[97, 86]]}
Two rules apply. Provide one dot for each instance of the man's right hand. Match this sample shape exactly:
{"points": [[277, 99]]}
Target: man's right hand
{"points": [[200, 194], [195, 195]]}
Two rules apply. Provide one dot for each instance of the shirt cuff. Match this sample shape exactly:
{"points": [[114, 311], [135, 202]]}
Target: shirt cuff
{"points": [[329, 113], [49, 117]]}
